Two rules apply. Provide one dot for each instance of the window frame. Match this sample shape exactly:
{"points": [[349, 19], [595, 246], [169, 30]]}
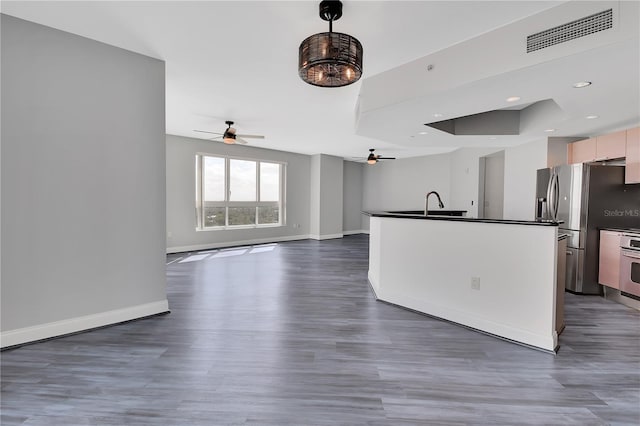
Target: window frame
{"points": [[226, 204]]}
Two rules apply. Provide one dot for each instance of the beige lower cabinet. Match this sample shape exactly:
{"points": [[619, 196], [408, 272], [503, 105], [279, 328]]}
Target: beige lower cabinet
{"points": [[560, 283], [609, 263]]}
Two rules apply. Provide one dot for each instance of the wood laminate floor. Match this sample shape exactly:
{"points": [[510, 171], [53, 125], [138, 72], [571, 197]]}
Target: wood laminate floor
{"points": [[289, 334]]}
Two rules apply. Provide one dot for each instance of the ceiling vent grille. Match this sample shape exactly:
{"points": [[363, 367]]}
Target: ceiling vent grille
{"points": [[579, 28]]}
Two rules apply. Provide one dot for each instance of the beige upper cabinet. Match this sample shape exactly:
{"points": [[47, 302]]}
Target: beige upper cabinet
{"points": [[632, 169], [604, 147], [582, 151], [612, 145]]}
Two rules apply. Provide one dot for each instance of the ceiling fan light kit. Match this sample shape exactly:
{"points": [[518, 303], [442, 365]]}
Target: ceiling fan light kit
{"points": [[373, 158], [229, 136], [330, 59]]}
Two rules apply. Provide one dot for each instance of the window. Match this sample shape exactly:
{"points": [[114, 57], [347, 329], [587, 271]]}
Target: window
{"points": [[234, 192]]}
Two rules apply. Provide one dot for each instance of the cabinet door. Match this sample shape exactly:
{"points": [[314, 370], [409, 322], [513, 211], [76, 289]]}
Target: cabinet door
{"points": [[609, 262], [612, 145], [632, 169], [582, 151]]}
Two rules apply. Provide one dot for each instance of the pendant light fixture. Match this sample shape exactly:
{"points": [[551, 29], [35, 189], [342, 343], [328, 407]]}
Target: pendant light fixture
{"points": [[330, 59]]}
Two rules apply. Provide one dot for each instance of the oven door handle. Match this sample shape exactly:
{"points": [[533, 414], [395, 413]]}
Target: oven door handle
{"points": [[631, 253]]}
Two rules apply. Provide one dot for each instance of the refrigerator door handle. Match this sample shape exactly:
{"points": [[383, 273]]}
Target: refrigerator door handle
{"points": [[549, 193], [556, 196]]}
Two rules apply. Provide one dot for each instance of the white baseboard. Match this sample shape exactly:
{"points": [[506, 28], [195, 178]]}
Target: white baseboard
{"points": [[547, 341], [208, 246], [325, 237], [87, 322], [359, 231], [198, 247]]}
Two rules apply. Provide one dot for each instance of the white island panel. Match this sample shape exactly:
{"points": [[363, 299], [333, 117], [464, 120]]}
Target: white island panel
{"points": [[428, 266]]}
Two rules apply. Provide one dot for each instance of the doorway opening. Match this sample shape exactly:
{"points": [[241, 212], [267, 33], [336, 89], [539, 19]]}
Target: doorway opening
{"points": [[491, 186]]}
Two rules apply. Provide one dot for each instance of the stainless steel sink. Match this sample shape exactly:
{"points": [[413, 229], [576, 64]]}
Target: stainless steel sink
{"points": [[431, 212]]}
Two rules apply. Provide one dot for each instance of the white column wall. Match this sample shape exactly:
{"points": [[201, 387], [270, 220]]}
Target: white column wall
{"points": [[315, 180], [352, 197], [326, 189]]}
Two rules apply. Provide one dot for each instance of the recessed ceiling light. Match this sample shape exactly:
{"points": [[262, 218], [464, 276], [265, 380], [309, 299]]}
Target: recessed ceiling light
{"points": [[422, 133], [549, 130], [513, 99], [437, 114], [492, 138], [591, 117], [581, 84]]}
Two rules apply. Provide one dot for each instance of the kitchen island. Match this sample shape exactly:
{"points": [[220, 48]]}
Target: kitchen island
{"points": [[495, 276]]}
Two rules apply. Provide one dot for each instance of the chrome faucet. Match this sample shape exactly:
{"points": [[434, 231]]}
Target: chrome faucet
{"points": [[426, 202]]}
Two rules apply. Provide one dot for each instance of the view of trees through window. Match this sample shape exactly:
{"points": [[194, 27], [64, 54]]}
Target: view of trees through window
{"points": [[237, 192]]}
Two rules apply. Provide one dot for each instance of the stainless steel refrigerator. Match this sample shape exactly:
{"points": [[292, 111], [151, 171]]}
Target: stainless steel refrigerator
{"points": [[586, 198]]}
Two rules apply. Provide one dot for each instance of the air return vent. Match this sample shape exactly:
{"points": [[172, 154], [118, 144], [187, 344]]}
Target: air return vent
{"points": [[579, 28]]}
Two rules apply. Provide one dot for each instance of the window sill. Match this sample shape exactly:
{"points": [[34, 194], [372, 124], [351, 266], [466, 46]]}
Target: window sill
{"points": [[239, 227]]}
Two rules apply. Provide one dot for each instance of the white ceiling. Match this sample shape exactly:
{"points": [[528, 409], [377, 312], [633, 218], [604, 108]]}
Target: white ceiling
{"points": [[238, 61]]}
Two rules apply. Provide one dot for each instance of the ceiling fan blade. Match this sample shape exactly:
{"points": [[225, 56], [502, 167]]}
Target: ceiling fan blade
{"points": [[205, 131], [386, 158], [252, 136], [241, 141]]}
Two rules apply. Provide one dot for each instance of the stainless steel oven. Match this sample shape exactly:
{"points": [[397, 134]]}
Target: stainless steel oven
{"points": [[630, 264]]}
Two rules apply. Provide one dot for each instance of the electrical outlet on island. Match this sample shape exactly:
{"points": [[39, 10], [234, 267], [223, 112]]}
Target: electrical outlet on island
{"points": [[475, 283]]}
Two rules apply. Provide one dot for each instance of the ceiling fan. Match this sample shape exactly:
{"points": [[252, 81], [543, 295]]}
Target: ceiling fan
{"points": [[229, 136], [373, 158]]}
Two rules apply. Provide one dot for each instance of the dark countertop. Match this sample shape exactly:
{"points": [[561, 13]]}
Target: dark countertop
{"points": [[457, 218]]}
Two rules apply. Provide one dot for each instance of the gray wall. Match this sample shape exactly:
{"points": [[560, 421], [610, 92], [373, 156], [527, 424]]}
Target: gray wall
{"points": [[315, 180], [83, 177], [181, 222], [352, 196], [403, 184], [520, 165], [464, 177], [557, 150], [326, 189]]}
